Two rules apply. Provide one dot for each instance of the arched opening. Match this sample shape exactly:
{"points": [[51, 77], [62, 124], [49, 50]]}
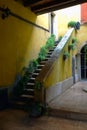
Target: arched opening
{"points": [[84, 62]]}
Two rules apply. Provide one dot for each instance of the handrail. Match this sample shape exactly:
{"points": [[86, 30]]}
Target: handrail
{"points": [[48, 67], [8, 12]]}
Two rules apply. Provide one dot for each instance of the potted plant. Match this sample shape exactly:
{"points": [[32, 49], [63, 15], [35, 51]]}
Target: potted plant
{"points": [[74, 40], [74, 24], [71, 24], [71, 46], [66, 55]]}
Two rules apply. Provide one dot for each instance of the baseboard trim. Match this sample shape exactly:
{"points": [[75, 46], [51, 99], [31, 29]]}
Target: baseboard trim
{"points": [[58, 89]]}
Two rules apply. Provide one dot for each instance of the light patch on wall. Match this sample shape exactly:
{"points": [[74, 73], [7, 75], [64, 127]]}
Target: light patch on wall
{"points": [[71, 12], [43, 20], [66, 15]]}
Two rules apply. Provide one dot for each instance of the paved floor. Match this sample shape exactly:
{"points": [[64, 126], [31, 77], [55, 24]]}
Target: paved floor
{"points": [[11, 119], [19, 120], [74, 99]]}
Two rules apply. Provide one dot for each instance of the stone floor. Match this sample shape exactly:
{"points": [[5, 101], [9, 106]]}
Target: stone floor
{"points": [[74, 99], [20, 120]]}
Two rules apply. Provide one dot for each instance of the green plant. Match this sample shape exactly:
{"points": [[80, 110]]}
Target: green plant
{"points": [[31, 67], [38, 85], [53, 36], [71, 24], [74, 24], [43, 53], [74, 40], [66, 55], [71, 46], [60, 38], [50, 42], [44, 49], [33, 64]]}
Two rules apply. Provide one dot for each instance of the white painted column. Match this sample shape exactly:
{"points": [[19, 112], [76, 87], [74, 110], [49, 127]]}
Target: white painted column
{"points": [[55, 25]]}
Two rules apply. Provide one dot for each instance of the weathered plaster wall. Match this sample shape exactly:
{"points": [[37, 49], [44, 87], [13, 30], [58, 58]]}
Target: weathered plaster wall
{"points": [[19, 41]]}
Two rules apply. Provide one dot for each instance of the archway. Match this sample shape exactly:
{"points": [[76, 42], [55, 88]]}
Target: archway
{"points": [[84, 62]]}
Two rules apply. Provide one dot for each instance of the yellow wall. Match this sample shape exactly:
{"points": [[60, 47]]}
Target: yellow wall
{"points": [[19, 41], [61, 69], [82, 35]]}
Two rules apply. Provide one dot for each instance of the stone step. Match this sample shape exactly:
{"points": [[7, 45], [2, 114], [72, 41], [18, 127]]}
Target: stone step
{"points": [[28, 91], [43, 62], [29, 85], [32, 80], [37, 70], [27, 96], [20, 105], [48, 56], [68, 114], [46, 59], [55, 45], [34, 75], [40, 66], [50, 52]]}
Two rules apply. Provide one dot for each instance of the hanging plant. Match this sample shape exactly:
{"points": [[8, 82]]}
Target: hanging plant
{"points": [[74, 40], [71, 24], [77, 25], [71, 46], [74, 24], [66, 55]]}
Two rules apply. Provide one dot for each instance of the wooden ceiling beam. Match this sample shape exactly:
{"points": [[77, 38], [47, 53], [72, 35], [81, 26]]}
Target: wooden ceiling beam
{"points": [[46, 6], [28, 3], [42, 2], [50, 4], [55, 6]]}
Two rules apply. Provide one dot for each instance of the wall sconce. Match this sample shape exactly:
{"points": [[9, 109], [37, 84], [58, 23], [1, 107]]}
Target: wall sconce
{"points": [[6, 13]]}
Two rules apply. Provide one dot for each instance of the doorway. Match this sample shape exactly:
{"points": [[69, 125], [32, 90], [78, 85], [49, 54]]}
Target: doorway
{"points": [[84, 63]]}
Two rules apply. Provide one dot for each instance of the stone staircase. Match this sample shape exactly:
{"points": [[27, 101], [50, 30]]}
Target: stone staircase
{"points": [[27, 98]]}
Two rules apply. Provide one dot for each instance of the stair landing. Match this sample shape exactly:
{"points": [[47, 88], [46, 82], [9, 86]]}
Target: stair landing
{"points": [[72, 103]]}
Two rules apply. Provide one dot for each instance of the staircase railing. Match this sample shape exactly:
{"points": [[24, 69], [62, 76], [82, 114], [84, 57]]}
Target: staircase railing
{"points": [[56, 53]]}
